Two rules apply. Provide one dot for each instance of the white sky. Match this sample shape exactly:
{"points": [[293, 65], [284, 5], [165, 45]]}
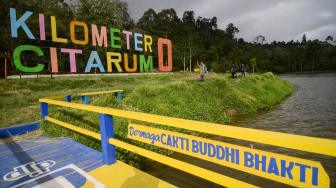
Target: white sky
{"points": [[281, 20]]}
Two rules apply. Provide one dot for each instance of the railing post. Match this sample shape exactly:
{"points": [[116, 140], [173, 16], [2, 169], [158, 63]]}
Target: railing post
{"points": [[44, 109], [85, 99], [119, 96], [106, 132], [68, 98]]}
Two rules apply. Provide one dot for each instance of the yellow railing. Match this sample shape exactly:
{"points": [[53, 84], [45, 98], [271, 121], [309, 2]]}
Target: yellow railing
{"points": [[297, 142], [85, 96], [317, 175]]}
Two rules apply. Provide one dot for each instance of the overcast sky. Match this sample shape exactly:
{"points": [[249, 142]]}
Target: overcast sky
{"points": [[274, 19]]}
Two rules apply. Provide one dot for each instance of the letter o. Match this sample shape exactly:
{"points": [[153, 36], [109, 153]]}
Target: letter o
{"points": [[169, 66], [72, 32]]}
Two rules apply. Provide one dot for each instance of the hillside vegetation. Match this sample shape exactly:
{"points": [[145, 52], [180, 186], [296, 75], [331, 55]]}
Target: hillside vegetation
{"points": [[216, 100]]}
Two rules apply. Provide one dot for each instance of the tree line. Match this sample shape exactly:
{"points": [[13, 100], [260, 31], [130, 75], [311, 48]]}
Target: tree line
{"points": [[194, 38]]}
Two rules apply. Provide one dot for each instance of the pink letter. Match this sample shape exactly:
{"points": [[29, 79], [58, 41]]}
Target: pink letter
{"points": [[100, 38], [53, 59], [42, 27], [128, 34], [72, 54]]}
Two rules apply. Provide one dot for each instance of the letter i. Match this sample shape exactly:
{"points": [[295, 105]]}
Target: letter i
{"points": [[187, 143], [53, 60], [42, 27], [237, 156]]}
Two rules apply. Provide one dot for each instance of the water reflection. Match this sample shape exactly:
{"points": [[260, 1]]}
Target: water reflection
{"points": [[310, 110]]}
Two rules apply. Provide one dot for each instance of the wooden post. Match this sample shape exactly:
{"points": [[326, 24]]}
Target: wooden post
{"points": [[6, 71]]}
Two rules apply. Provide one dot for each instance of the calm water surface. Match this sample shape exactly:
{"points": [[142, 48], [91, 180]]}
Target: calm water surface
{"points": [[310, 110]]}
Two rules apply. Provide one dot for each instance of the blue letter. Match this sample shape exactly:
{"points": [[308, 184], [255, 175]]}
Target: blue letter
{"points": [[175, 141], [211, 150], [262, 162], [302, 171], [220, 149], [230, 155], [272, 167], [194, 146], [137, 41], [162, 135], [90, 64], [315, 176], [287, 170], [16, 24], [248, 159]]}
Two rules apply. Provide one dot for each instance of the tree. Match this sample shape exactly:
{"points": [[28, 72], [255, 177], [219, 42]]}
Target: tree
{"points": [[189, 18], [148, 20], [231, 30], [213, 23], [329, 38], [259, 39], [102, 12], [304, 39], [253, 63], [168, 21]]}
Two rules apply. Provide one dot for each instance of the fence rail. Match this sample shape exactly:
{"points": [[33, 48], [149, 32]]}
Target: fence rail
{"points": [[316, 177], [296, 142]]}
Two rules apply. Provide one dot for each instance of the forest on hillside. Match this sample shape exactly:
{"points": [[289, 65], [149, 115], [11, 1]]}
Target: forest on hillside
{"points": [[193, 37]]}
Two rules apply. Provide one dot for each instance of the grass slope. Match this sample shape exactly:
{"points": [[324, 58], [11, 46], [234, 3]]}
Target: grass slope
{"points": [[215, 100]]}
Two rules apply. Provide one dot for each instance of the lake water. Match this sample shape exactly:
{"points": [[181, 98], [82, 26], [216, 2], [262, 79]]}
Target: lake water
{"points": [[310, 111]]}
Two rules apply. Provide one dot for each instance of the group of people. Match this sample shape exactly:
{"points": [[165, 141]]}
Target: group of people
{"points": [[235, 69]]}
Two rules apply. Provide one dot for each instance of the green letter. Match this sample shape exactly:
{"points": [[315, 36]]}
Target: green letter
{"points": [[146, 65], [17, 58], [114, 38]]}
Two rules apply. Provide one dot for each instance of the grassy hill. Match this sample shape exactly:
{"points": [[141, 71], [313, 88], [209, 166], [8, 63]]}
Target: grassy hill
{"points": [[178, 95]]}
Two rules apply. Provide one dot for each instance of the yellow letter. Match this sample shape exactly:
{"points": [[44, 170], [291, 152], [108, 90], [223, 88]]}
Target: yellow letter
{"points": [[148, 42], [54, 31], [111, 60]]}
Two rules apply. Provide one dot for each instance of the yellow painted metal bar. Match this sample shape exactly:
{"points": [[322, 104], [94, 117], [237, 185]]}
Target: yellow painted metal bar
{"points": [[101, 92], [192, 169], [186, 167], [297, 142], [57, 97], [74, 128]]}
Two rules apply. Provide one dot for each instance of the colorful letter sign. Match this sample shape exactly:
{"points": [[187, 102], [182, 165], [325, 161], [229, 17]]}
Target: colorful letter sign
{"points": [[83, 34], [282, 168]]}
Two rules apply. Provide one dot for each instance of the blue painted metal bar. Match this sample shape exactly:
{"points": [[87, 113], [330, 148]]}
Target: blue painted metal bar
{"points": [[119, 96], [68, 98], [85, 99], [18, 129], [107, 131], [44, 109]]}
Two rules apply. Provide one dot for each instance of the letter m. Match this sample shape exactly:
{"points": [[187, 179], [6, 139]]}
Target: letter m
{"points": [[146, 65]]}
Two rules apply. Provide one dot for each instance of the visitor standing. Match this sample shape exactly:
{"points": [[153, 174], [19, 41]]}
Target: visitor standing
{"points": [[203, 70], [234, 69], [243, 70]]}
